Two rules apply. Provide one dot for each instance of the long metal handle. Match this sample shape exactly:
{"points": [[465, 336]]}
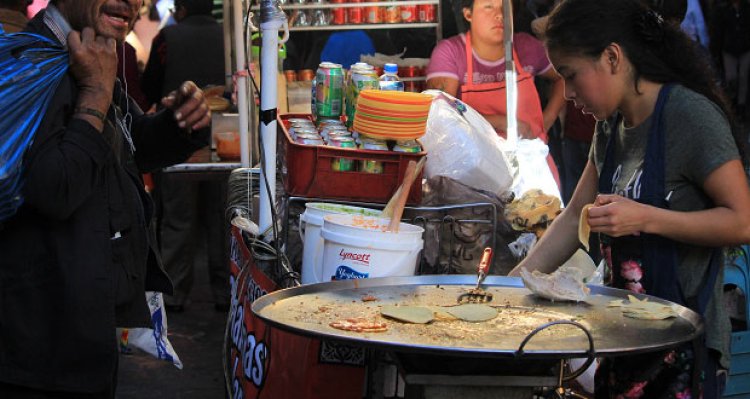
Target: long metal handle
{"points": [[591, 353], [511, 88]]}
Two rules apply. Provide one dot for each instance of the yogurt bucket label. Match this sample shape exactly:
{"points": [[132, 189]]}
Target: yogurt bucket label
{"points": [[347, 273]]}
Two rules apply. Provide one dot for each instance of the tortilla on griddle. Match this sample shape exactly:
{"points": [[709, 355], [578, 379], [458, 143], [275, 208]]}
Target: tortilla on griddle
{"points": [[473, 312], [408, 314], [643, 309]]}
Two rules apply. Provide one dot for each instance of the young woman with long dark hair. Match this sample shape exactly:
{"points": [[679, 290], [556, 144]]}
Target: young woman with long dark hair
{"points": [[666, 175]]}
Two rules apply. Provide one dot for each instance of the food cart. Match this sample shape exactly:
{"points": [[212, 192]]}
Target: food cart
{"points": [[280, 341]]}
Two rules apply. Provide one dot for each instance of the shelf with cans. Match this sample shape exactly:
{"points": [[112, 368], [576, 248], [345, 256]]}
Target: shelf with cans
{"points": [[413, 77], [314, 15]]}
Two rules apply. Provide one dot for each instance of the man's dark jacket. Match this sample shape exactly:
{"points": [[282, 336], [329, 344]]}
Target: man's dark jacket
{"points": [[76, 258]]}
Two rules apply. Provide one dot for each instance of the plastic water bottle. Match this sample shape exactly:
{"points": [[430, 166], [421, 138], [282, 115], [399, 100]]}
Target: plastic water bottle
{"points": [[389, 80]]}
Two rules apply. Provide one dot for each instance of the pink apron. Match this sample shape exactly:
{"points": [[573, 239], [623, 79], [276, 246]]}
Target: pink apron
{"points": [[489, 99]]}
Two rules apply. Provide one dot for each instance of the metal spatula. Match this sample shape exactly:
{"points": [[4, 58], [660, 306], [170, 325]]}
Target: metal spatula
{"points": [[477, 294]]}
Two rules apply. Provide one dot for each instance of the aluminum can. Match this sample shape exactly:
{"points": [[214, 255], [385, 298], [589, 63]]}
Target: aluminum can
{"points": [[309, 140], [338, 133], [329, 90], [372, 165], [303, 131], [300, 121], [409, 13], [426, 12], [374, 15], [301, 18], [355, 15], [362, 77], [338, 14], [300, 124], [410, 146], [324, 123], [307, 134], [406, 73], [392, 14], [326, 131], [342, 164]]}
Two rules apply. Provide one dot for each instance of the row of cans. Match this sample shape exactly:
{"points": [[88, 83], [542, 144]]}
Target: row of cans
{"points": [[333, 133], [335, 92], [382, 14]]}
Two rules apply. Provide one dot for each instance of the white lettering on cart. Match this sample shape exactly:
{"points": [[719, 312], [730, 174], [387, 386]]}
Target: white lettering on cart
{"points": [[254, 291], [249, 353]]}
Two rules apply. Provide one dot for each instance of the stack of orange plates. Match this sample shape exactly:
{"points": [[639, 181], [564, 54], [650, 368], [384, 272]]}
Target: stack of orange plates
{"points": [[394, 115]]}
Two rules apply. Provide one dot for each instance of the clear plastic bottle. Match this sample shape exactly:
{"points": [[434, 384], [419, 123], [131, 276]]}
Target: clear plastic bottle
{"points": [[389, 79]]}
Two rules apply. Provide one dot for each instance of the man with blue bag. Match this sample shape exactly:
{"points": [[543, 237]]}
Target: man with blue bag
{"points": [[75, 237]]}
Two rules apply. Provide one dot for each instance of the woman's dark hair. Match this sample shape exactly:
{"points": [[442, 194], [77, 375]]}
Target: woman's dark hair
{"points": [[659, 51]]}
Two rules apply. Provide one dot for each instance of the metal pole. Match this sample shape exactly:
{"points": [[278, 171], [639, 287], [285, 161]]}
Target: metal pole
{"points": [[272, 18], [511, 88], [241, 68], [227, 26]]}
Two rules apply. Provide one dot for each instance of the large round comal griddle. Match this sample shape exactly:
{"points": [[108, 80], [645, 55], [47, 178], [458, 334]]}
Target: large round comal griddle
{"points": [[308, 310]]}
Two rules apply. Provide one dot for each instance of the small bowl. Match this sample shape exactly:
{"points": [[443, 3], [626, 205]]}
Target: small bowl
{"points": [[228, 145]]}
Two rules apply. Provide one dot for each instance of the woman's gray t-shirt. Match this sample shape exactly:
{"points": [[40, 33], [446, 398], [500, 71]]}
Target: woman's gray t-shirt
{"points": [[698, 140]]}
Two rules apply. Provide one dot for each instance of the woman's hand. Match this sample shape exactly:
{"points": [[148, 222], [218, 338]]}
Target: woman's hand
{"points": [[618, 216], [189, 105]]}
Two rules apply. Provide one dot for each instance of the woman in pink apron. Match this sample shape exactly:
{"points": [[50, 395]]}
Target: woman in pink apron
{"points": [[479, 54]]}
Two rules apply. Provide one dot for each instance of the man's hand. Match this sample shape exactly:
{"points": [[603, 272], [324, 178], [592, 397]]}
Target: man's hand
{"points": [[93, 63], [189, 105]]}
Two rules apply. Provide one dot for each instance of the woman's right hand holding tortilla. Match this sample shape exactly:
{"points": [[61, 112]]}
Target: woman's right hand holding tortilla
{"points": [[617, 216]]}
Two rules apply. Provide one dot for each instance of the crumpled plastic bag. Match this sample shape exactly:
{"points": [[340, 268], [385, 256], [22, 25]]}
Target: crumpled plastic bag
{"points": [[154, 340], [32, 67], [463, 146], [530, 159]]}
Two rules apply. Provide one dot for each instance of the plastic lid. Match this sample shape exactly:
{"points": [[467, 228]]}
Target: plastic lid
{"points": [[390, 68]]}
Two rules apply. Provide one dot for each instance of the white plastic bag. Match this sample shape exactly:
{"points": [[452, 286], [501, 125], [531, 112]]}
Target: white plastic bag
{"points": [[530, 157], [462, 145], [153, 340]]}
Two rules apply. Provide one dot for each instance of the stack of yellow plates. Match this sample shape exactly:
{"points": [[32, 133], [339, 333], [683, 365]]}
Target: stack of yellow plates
{"points": [[392, 114]]}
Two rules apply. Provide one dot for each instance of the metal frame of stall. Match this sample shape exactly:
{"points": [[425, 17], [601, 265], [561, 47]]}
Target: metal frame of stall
{"points": [[271, 21]]}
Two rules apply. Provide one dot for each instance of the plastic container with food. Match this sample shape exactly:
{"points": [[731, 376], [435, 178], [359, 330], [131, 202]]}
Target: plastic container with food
{"points": [[228, 145]]}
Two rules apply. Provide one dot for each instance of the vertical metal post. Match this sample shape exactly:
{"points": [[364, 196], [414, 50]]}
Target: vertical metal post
{"points": [[272, 18], [241, 68], [511, 87]]}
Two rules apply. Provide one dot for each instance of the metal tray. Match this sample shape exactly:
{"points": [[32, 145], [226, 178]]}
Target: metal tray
{"points": [[308, 310]]}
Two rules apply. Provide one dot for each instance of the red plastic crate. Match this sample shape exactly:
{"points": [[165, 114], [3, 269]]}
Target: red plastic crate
{"points": [[307, 170]]}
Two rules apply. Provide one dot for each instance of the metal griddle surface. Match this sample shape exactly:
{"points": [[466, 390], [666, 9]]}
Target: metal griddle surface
{"points": [[308, 310]]}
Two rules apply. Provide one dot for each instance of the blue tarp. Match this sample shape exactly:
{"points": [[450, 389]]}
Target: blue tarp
{"points": [[31, 67]]}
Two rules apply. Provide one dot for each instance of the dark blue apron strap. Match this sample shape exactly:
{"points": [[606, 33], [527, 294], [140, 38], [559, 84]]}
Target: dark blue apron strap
{"points": [[659, 253]]}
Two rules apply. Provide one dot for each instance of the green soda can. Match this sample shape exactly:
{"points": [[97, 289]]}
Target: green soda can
{"points": [[362, 77], [372, 165], [329, 90], [410, 146], [342, 164]]}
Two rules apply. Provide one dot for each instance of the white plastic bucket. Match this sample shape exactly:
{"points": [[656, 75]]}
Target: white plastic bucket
{"points": [[359, 247], [310, 224]]}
